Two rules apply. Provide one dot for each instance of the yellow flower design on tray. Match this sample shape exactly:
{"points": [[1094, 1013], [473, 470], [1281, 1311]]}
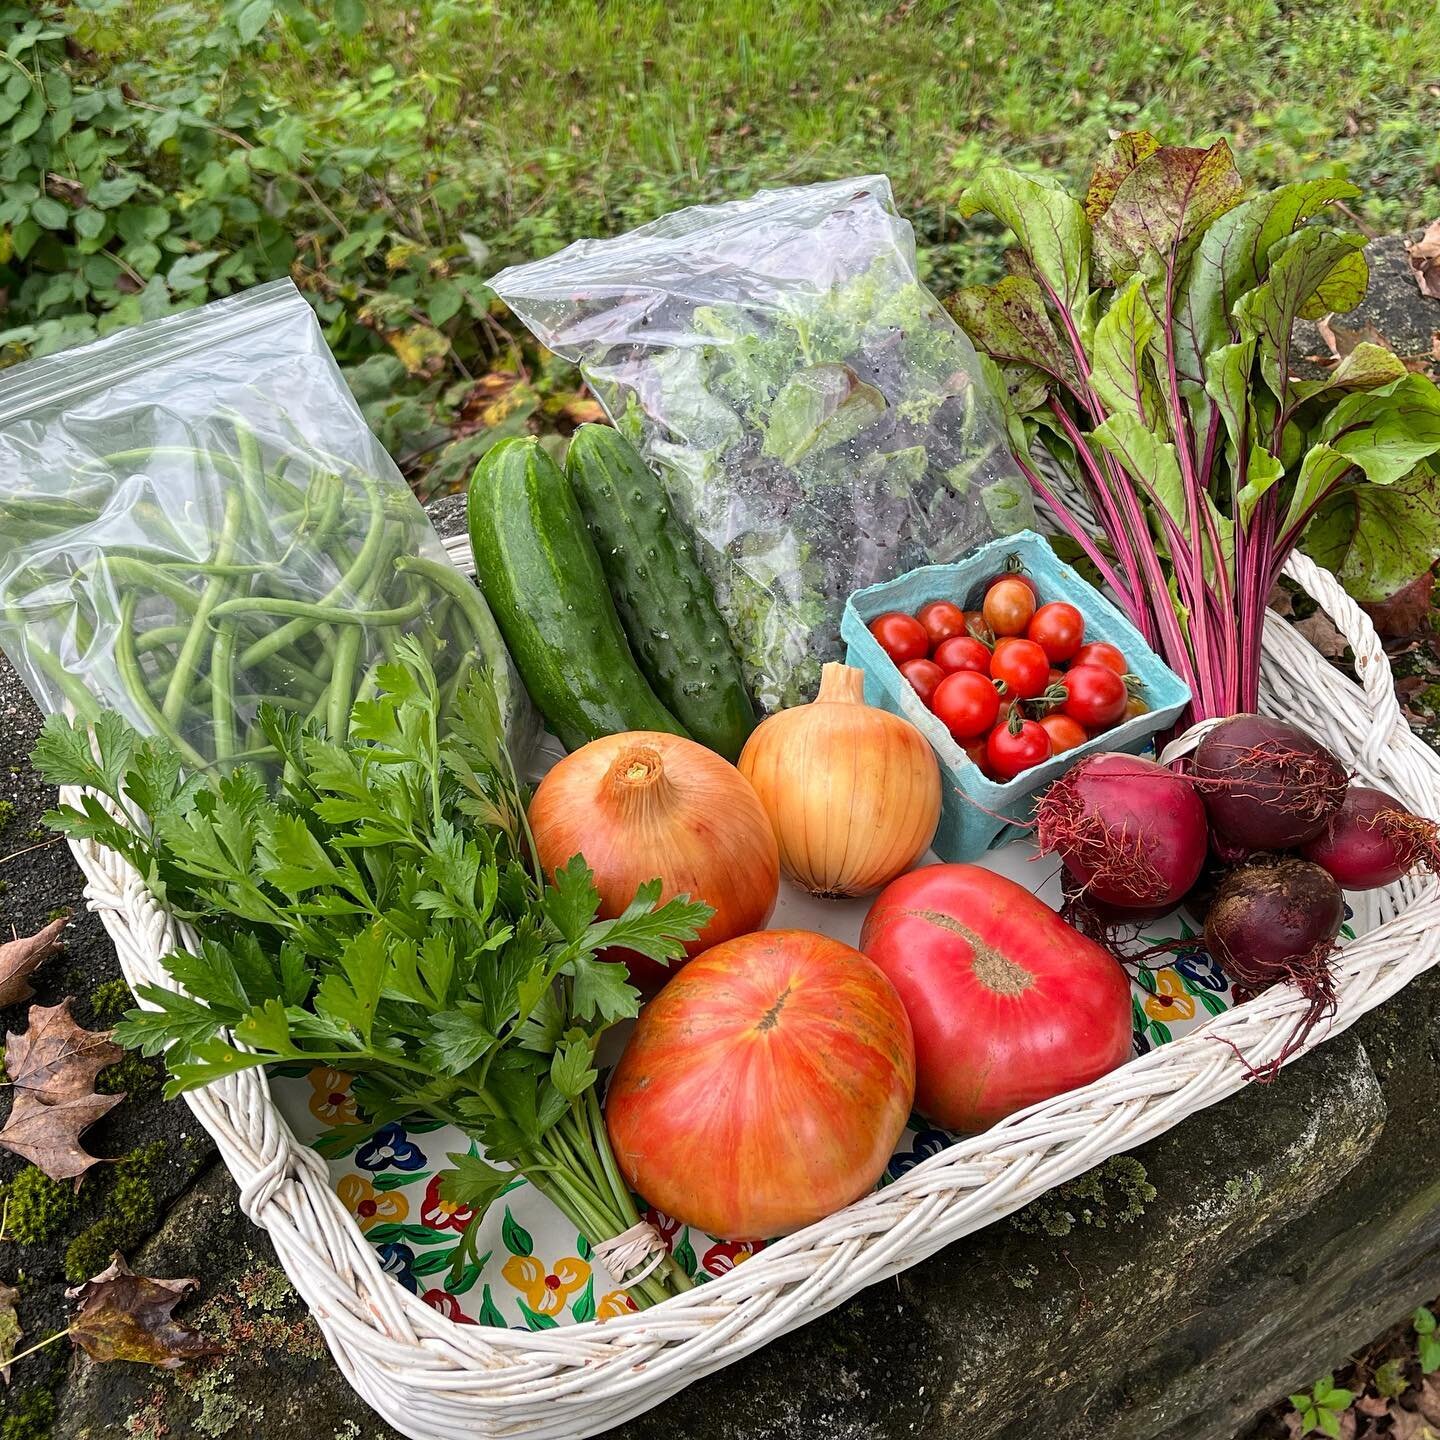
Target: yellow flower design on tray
{"points": [[546, 1291], [370, 1206], [617, 1302], [330, 1098], [1173, 1001]]}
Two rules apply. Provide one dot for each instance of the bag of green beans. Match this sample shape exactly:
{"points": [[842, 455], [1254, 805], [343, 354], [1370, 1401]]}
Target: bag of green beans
{"points": [[194, 517]]}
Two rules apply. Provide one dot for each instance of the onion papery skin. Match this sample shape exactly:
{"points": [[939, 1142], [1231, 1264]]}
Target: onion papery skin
{"points": [[852, 791], [644, 805]]}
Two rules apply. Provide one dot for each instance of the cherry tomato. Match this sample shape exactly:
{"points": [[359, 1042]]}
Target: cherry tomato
{"points": [[1009, 604], [962, 652], [924, 676], [1024, 579], [966, 704], [1057, 677], [1065, 733], [901, 637], [1097, 696], [1135, 706], [941, 620], [975, 625], [1058, 629], [1023, 667], [975, 749], [1011, 751], [1101, 652]]}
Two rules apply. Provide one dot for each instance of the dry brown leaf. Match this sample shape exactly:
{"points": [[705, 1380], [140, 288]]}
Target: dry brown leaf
{"points": [[1342, 340], [1405, 613], [1427, 1399], [1424, 256], [10, 1331], [1319, 629], [1376, 1406], [20, 956], [125, 1316], [52, 1067], [1407, 1425]]}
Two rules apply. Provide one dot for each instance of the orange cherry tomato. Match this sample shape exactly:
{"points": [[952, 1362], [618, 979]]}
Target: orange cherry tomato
{"points": [[1009, 604], [1065, 733]]}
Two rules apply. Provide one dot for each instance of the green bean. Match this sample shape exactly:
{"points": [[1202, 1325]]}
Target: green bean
{"points": [[127, 663], [321, 614], [70, 685], [222, 691], [211, 596], [362, 565], [341, 699], [160, 637]]}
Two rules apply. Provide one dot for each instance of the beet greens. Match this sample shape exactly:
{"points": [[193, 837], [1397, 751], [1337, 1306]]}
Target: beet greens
{"points": [[1143, 342]]}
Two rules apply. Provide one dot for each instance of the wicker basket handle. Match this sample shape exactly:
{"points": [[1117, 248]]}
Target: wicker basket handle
{"points": [[1372, 665]]}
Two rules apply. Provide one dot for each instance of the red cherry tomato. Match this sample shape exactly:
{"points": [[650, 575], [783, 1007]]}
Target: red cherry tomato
{"points": [[975, 749], [901, 637], [966, 704], [924, 676], [1011, 751], [1058, 629], [1097, 696], [1065, 733], [1057, 677], [1101, 652], [941, 620], [1023, 667], [1009, 604], [975, 625], [962, 652]]}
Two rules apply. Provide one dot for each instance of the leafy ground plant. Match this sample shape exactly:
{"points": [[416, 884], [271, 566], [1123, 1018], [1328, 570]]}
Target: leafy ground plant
{"points": [[384, 912], [1143, 340], [1321, 1408]]}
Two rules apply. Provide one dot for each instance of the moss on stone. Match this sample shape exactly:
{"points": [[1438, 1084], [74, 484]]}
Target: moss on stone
{"points": [[110, 1000], [131, 1211], [133, 1076], [1115, 1192], [219, 1409], [32, 1414], [7, 810], [35, 1206]]}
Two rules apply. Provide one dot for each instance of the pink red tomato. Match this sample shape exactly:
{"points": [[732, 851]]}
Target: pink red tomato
{"points": [[1097, 696], [1058, 629], [966, 704], [962, 652], [764, 1087], [1023, 668], [924, 676], [1101, 652], [941, 620], [1009, 751], [1008, 1003], [902, 637]]}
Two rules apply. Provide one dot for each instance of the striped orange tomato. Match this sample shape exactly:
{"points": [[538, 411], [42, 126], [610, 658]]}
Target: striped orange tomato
{"points": [[764, 1087]]}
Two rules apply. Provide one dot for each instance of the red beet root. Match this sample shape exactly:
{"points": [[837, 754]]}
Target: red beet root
{"points": [[1131, 832], [1267, 785], [1276, 921], [1372, 840]]}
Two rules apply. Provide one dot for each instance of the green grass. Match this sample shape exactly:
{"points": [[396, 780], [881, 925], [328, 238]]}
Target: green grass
{"points": [[569, 117]]}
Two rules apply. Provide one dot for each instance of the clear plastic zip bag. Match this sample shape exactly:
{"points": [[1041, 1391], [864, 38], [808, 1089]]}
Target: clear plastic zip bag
{"points": [[820, 420], [194, 517]]}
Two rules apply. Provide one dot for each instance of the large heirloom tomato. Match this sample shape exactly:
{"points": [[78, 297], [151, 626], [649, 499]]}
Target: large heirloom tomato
{"points": [[764, 1087], [1009, 1004]]}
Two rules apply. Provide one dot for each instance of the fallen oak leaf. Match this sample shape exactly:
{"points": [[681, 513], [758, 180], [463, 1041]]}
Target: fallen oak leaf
{"points": [[55, 1057], [10, 1331], [20, 956], [52, 1066], [1424, 257], [125, 1316]]}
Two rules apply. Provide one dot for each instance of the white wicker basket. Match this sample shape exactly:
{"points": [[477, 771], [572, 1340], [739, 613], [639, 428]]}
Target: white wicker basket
{"points": [[434, 1379]]}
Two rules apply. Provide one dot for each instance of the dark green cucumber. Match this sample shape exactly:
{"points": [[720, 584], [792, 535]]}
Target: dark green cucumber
{"points": [[539, 572], [664, 598]]}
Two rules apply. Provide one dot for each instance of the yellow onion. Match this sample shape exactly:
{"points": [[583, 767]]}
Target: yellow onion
{"points": [[644, 806], [852, 791]]}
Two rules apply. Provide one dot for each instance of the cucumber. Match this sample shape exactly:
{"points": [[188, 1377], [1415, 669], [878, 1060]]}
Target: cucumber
{"points": [[664, 598], [542, 579]]}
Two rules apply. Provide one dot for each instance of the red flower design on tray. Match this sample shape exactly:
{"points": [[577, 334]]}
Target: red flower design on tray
{"points": [[437, 1213], [725, 1255], [667, 1228], [448, 1306]]}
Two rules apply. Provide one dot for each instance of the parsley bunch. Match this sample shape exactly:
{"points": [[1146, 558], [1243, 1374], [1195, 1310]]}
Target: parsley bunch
{"points": [[381, 909]]}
